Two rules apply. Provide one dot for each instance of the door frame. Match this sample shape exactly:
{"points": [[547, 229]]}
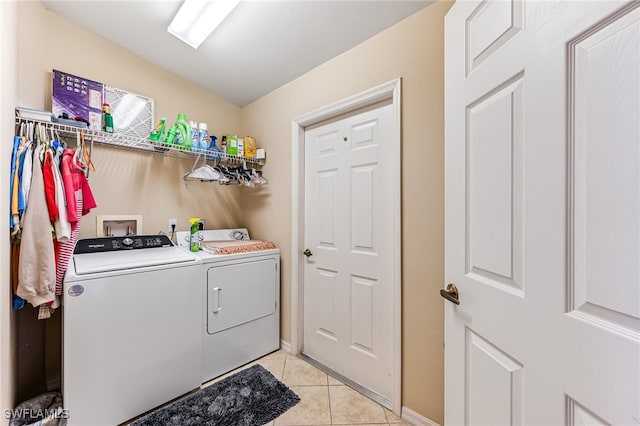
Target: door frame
{"points": [[386, 91]]}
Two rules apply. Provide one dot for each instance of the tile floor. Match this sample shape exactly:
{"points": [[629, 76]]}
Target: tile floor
{"points": [[323, 399]]}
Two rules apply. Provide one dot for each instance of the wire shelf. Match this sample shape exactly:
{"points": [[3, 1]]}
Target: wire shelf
{"points": [[141, 144]]}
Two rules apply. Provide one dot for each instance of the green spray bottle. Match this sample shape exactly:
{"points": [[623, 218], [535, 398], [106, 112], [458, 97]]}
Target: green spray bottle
{"points": [[171, 135], [194, 237], [159, 134], [107, 118]]}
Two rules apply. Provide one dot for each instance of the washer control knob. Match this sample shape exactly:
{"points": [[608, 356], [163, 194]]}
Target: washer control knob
{"points": [[127, 242]]}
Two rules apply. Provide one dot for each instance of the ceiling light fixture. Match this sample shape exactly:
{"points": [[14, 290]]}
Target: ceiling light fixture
{"points": [[196, 19]]}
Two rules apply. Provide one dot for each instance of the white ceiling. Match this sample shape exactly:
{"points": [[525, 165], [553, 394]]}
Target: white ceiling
{"points": [[262, 44]]}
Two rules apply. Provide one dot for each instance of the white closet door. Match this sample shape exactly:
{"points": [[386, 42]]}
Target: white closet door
{"points": [[348, 277], [543, 213]]}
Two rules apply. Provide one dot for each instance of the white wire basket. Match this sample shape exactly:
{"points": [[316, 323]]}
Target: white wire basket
{"points": [[132, 114]]}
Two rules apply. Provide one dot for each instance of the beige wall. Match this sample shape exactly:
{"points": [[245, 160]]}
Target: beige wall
{"points": [[148, 184], [414, 51], [8, 75]]}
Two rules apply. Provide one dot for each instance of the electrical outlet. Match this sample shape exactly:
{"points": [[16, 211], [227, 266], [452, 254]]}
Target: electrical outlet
{"points": [[202, 222], [173, 225]]}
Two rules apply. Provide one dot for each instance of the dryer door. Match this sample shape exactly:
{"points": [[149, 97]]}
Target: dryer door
{"points": [[239, 293]]}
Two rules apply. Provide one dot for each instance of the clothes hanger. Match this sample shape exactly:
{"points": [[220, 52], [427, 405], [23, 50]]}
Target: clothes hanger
{"points": [[204, 173], [57, 142], [86, 155], [54, 142], [228, 175], [258, 173], [78, 154], [212, 170], [22, 134], [187, 175], [42, 141], [28, 133]]}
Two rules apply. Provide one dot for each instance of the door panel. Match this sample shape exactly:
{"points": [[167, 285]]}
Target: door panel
{"points": [[328, 203], [606, 173], [494, 384], [577, 415], [363, 315], [324, 298], [542, 205], [490, 26], [348, 278], [327, 143], [362, 213], [364, 134], [494, 186]]}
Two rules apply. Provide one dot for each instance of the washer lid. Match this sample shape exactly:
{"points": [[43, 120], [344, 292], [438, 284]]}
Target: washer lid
{"points": [[93, 263]]}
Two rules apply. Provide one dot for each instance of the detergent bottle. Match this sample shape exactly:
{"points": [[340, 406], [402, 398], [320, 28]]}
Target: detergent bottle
{"points": [[203, 136], [183, 137], [195, 142]]}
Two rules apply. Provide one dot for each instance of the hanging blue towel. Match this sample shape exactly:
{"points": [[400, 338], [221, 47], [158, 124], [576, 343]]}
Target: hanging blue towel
{"points": [[16, 144], [21, 194]]}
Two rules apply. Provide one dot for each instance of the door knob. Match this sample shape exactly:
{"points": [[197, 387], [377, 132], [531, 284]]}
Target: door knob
{"points": [[307, 252], [450, 293]]}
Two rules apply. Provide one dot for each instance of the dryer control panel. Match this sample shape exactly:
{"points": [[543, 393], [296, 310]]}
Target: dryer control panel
{"points": [[99, 245]]}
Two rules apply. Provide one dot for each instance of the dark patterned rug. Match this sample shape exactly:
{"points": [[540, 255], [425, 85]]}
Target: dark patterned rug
{"points": [[250, 397]]}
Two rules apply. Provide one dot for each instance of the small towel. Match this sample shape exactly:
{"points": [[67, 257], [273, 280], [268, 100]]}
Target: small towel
{"points": [[236, 246]]}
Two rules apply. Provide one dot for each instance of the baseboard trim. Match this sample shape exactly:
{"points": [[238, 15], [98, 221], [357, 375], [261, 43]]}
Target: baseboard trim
{"points": [[416, 419], [286, 346]]}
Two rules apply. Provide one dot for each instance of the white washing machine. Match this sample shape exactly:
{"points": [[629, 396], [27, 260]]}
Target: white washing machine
{"points": [[241, 303], [131, 327]]}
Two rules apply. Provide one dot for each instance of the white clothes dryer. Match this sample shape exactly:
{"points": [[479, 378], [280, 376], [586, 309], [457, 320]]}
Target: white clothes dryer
{"points": [[240, 301]]}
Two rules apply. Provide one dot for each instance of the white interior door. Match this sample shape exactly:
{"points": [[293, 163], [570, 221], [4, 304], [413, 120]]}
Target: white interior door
{"points": [[542, 207], [349, 273]]}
